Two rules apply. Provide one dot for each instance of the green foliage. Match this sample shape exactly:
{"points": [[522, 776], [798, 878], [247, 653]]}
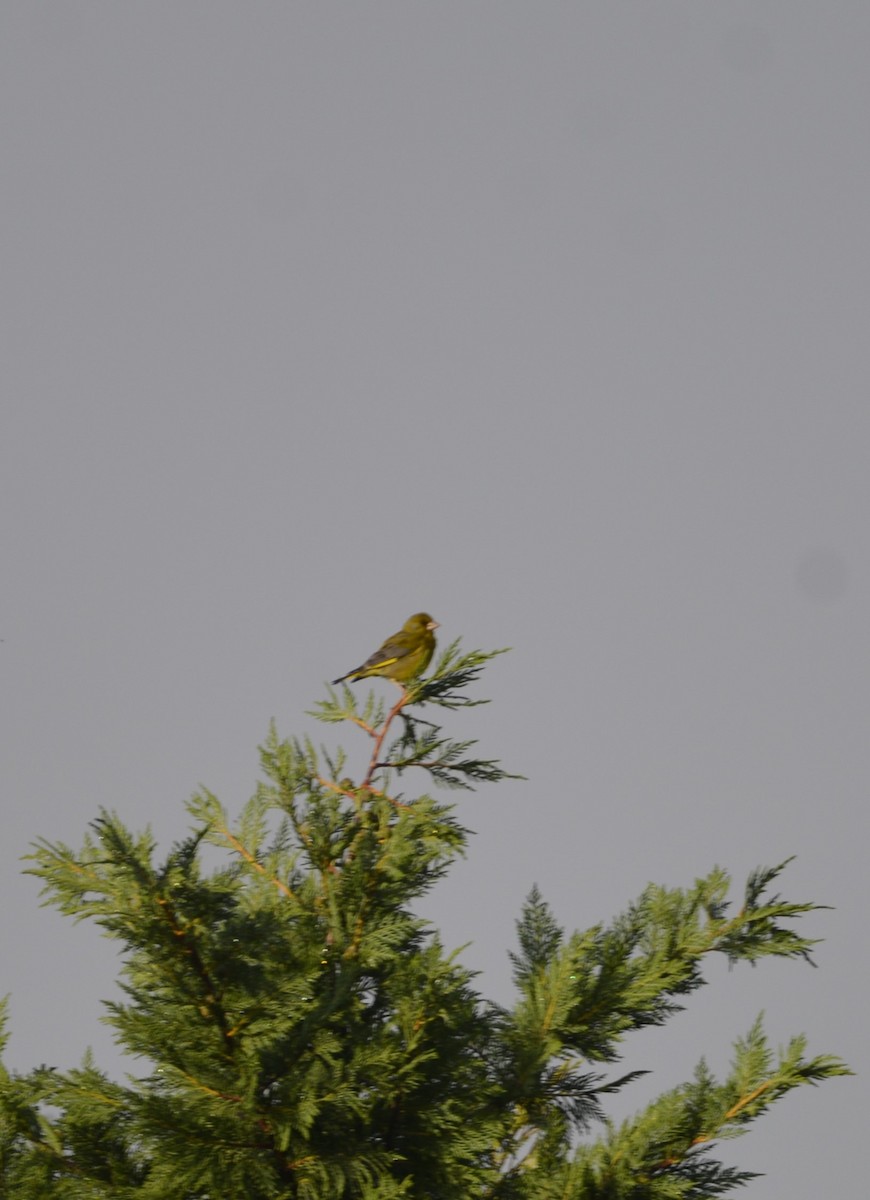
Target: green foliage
{"points": [[302, 1034]]}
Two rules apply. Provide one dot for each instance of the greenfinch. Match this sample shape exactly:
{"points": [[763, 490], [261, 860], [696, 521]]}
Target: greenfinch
{"points": [[403, 656]]}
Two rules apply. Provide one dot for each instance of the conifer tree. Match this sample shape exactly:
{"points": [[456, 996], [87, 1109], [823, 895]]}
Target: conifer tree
{"points": [[300, 1033]]}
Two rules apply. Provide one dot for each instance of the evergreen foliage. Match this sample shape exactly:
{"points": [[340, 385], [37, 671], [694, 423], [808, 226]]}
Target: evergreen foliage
{"points": [[305, 1035]]}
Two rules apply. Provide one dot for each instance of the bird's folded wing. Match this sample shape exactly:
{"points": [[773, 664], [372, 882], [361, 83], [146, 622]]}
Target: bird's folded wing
{"points": [[377, 660]]}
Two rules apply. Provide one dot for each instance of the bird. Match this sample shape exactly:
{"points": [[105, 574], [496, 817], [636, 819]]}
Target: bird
{"points": [[403, 656]]}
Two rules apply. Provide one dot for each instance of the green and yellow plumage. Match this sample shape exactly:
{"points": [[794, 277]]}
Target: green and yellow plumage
{"points": [[403, 656]]}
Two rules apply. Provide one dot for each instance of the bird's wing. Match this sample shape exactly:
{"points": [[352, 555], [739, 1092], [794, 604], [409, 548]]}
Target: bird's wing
{"points": [[393, 649]]}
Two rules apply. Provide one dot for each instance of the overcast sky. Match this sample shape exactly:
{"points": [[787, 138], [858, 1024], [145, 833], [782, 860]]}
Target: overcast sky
{"points": [[550, 319]]}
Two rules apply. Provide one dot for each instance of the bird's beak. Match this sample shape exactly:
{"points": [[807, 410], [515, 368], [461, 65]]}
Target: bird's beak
{"points": [[433, 625]]}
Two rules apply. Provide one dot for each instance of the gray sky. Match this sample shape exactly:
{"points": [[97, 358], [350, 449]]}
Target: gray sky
{"points": [[551, 319]]}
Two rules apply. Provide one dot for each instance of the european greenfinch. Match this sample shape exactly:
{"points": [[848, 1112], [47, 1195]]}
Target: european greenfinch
{"points": [[403, 656]]}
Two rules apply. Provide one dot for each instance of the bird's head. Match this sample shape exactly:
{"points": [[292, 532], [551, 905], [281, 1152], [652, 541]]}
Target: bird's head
{"points": [[419, 622]]}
